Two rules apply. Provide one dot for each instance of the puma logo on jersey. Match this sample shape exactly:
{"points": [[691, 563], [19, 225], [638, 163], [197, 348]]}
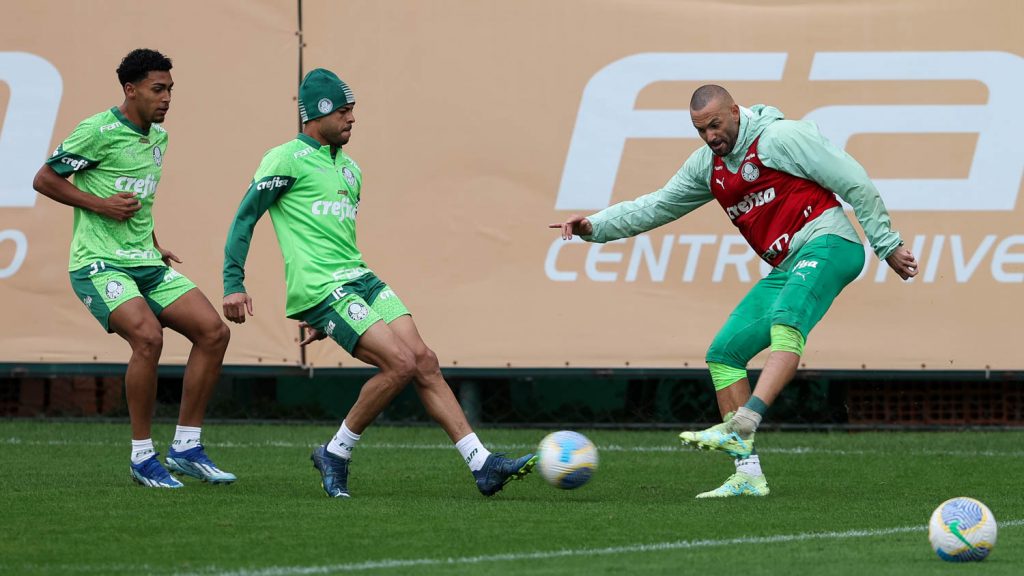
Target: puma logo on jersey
{"points": [[751, 155], [720, 182]]}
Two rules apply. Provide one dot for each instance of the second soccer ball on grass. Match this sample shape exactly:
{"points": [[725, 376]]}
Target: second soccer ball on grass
{"points": [[962, 530], [567, 459]]}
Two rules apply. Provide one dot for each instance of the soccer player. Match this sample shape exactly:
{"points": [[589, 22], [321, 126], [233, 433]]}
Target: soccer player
{"points": [[312, 189], [777, 180], [122, 274]]}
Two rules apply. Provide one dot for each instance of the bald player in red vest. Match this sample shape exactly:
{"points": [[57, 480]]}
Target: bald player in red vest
{"points": [[777, 180]]}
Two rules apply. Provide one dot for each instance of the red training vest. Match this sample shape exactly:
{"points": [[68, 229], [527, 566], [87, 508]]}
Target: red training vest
{"points": [[768, 206]]}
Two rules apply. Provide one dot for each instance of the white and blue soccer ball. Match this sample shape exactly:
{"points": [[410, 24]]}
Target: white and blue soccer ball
{"points": [[962, 530], [567, 459]]}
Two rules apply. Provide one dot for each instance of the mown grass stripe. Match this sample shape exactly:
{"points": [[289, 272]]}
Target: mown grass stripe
{"points": [[795, 450]]}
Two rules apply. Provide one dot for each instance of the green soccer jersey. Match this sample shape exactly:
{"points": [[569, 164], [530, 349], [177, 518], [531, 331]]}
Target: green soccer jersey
{"points": [[108, 154], [313, 197]]}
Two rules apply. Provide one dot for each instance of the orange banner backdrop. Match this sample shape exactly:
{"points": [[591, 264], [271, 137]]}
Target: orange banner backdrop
{"points": [[235, 64], [480, 123]]}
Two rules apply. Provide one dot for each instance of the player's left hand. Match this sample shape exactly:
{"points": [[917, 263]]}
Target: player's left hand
{"points": [[310, 334], [902, 261], [167, 256]]}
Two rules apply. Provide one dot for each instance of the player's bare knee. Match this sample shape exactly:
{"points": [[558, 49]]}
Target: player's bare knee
{"points": [[148, 341], [426, 362], [406, 369], [400, 365], [218, 337]]}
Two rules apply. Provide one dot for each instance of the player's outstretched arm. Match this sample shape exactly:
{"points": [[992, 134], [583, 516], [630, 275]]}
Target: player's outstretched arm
{"points": [[576, 224], [120, 206], [686, 191]]}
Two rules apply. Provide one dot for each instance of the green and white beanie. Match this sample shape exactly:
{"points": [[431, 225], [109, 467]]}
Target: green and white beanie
{"points": [[321, 93]]}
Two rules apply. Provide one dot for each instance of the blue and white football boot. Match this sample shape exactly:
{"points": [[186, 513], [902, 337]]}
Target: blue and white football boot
{"points": [[333, 472], [195, 463], [151, 474]]}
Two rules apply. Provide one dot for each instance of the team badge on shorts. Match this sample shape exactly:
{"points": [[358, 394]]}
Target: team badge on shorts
{"points": [[325, 105], [749, 172], [349, 176], [357, 311], [114, 290], [158, 156]]}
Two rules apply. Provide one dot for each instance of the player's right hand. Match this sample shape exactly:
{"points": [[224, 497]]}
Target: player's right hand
{"points": [[236, 305], [310, 334], [120, 206], [576, 224]]}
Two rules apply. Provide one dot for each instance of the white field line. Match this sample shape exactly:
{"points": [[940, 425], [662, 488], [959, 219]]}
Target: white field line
{"points": [[565, 553], [795, 450], [512, 556]]}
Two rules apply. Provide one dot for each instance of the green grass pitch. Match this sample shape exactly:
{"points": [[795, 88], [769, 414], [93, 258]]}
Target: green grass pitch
{"points": [[841, 503]]}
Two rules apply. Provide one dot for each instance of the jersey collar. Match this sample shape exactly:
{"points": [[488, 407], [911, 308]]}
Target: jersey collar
{"points": [[309, 140], [124, 120], [744, 138]]}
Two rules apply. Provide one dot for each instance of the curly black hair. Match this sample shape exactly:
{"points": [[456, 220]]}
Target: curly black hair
{"points": [[139, 62]]}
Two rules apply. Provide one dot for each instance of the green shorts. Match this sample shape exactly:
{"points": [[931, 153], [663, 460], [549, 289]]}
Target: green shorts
{"points": [[103, 287], [798, 297], [352, 308]]}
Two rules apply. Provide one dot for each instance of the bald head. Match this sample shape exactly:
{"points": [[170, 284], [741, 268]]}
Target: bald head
{"points": [[716, 117], [707, 94]]}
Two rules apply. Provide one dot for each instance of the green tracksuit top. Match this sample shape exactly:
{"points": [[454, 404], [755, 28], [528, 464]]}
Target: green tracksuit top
{"points": [[790, 146]]}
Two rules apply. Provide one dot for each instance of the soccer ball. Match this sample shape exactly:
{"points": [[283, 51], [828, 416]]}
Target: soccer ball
{"points": [[567, 459], [962, 530]]}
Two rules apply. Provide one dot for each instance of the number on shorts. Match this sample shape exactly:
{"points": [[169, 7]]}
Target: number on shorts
{"points": [[97, 266]]}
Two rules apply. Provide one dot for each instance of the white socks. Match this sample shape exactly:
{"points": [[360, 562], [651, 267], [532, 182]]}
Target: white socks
{"points": [[750, 465], [142, 450], [185, 438], [473, 452], [343, 442]]}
